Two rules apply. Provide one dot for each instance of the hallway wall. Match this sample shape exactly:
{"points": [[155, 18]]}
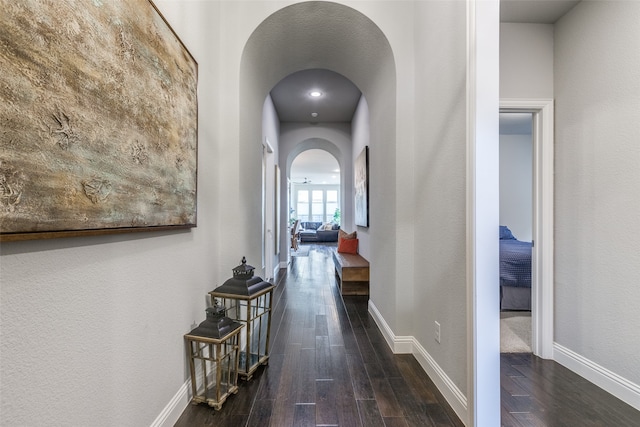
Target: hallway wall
{"points": [[92, 327], [439, 197], [597, 57]]}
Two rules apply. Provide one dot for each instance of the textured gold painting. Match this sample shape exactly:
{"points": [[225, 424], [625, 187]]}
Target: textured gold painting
{"points": [[98, 119]]}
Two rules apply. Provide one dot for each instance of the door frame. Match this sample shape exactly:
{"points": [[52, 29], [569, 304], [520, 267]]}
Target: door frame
{"points": [[268, 210], [542, 251]]}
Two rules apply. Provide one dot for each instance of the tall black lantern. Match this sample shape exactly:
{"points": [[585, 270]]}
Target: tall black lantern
{"points": [[248, 300], [213, 354]]}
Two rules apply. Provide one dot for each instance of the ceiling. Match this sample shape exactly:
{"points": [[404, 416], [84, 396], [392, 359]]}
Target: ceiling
{"points": [[316, 167], [339, 96], [337, 101], [534, 11]]}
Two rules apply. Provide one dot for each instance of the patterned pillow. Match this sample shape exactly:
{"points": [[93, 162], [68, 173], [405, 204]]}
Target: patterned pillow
{"points": [[343, 235], [505, 233]]}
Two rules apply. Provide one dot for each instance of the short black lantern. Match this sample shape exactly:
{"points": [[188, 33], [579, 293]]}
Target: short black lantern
{"points": [[213, 353], [248, 300]]}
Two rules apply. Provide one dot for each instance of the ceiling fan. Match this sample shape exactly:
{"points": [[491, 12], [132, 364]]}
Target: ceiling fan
{"points": [[305, 181]]}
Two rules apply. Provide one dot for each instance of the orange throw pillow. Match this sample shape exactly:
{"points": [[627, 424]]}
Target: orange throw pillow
{"points": [[343, 235], [348, 246]]}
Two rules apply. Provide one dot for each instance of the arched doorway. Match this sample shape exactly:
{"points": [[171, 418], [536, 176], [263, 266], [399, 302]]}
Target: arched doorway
{"points": [[314, 195], [338, 38]]}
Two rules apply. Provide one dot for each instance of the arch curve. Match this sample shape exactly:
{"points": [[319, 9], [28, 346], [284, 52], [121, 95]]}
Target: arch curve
{"points": [[321, 34]]}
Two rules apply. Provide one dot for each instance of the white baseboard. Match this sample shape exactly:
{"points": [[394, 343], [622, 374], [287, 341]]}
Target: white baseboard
{"points": [[611, 382], [409, 345], [174, 408], [454, 396], [399, 345]]}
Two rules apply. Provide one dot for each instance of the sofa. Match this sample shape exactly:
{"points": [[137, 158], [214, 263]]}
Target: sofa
{"points": [[318, 232]]}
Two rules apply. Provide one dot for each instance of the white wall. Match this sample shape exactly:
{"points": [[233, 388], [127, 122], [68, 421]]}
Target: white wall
{"points": [[597, 233], [516, 172], [439, 203], [526, 60], [92, 327], [360, 131], [270, 138]]}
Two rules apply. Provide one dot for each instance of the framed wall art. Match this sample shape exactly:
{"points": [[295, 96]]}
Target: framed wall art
{"points": [[361, 191], [98, 120]]}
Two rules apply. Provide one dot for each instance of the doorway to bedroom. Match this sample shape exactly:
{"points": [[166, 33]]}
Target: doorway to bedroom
{"points": [[516, 229], [534, 164]]}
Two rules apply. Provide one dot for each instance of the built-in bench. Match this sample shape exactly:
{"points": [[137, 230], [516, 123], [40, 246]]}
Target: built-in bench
{"points": [[353, 273]]}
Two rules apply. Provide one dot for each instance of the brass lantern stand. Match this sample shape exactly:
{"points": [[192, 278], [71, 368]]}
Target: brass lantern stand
{"points": [[213, 354], [248, 300]]}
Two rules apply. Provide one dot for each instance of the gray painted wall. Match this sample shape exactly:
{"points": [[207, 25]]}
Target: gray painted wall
{"points": [[526, 60], [597, 233], [92, 326], [439, 195], [516, 164]]}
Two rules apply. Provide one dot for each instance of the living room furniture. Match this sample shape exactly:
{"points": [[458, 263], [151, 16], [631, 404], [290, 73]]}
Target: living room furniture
{"points": [[295, 235], [353, 273], [316, 232]]}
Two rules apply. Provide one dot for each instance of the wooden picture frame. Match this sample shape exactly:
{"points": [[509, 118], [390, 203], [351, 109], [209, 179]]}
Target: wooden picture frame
{"points": [[98, 113]]}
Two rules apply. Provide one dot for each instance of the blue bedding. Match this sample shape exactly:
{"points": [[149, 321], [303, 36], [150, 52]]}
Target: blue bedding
{"points": [[515, 263]]}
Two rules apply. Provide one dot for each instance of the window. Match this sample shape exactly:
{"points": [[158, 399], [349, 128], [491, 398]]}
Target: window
{"points": [[316, 204], [331, 204], [302, 206]]}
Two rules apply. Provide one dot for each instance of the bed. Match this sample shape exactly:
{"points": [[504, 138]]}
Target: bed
{"points": [[515, 272]]}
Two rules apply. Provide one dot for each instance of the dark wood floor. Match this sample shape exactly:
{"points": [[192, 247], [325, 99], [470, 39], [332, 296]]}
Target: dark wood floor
{"points": [[330, 366], [538, 392]]}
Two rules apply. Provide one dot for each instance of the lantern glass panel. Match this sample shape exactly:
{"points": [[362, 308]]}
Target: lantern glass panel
{"points": [[255, 314], [214, 368]]}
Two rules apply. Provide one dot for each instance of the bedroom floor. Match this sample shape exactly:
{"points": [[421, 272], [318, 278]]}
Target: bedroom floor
{"points": [[330, 366], [515, 332]]}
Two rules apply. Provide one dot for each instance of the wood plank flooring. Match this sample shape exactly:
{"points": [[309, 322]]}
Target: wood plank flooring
{"points": [[330, 366], [538, 392]]}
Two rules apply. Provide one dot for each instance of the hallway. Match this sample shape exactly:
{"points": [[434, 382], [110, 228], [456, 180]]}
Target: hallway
{"points": [[330, 366]]}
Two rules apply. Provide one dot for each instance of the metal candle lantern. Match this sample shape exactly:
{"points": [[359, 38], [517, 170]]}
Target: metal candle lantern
{"points": [[248, 300], [213, 350]]}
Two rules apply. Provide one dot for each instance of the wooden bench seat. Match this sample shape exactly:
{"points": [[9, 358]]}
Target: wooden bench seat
{"points": [[353, 273]]}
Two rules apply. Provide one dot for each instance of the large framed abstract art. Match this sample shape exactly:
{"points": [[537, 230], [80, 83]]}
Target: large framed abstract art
{"points": [[98, 120], [361, 191]]}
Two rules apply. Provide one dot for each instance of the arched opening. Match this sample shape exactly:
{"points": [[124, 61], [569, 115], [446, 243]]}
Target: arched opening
{"points": [[338, 38], [314, 196]]}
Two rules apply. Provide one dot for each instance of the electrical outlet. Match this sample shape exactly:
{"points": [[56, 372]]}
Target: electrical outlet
{"points": [[438, 332]]}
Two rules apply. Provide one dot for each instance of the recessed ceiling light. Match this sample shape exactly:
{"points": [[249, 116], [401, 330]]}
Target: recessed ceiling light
{"points": [[315, 94], [314, 114]]}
